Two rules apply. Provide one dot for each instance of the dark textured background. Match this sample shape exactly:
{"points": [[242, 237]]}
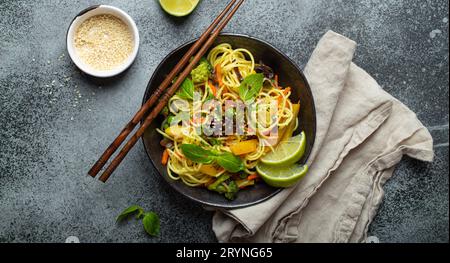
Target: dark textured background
{"points": [[55, 122]]}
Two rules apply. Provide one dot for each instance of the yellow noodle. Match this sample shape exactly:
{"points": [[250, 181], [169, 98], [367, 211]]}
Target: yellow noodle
{"points": [[230, 62]]}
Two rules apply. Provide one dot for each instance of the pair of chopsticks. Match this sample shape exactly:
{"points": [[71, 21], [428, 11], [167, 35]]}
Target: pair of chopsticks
{"points": [[202, 45]]}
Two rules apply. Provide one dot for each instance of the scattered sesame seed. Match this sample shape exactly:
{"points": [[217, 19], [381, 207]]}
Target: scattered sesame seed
{"points": [[71, 118]]}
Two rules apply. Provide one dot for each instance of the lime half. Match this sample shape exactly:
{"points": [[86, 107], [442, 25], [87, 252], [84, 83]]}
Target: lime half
{"points": [[178, 7], [287, 152], [281, 176]]}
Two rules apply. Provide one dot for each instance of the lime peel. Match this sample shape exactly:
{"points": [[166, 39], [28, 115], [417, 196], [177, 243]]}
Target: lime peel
{"points": [[287, 152], [179, 7], [281, 177]]}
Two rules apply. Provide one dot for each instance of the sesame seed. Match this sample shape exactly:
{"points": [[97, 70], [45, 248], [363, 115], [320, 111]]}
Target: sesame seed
{"points": [[104, 42]]}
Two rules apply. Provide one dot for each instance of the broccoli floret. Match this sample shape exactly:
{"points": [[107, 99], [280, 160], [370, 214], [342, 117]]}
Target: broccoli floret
{"points": [[202, 72]]}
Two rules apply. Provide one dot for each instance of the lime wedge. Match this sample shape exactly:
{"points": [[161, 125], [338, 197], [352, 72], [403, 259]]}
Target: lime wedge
{"points": [[178, 7], [281, 176], [287, 152]]}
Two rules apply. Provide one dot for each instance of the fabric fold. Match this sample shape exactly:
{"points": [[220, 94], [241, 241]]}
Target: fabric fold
{"points": [[362, 132]]}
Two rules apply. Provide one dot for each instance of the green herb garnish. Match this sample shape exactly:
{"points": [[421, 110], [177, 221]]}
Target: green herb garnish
{"points": [[150, 220], [129, 211], [227, 160], [151, 223], [186, 90], [197, 154], [230, 162], [251, 86]]}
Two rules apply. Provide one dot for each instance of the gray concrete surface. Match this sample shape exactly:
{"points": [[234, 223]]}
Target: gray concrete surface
{"points": [[55, 122]]}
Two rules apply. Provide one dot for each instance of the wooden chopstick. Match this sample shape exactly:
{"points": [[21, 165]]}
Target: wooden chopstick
{"points": [[150, 102], [165, 98]]}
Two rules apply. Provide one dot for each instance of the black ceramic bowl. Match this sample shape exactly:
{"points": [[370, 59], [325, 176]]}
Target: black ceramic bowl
{"points": [[289, 75]]}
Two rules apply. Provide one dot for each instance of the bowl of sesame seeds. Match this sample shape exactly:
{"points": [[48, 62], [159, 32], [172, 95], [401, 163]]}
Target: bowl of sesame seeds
{"points": [[102, 41]]}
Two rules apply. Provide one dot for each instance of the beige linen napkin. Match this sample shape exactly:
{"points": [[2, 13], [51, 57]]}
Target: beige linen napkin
{"points": [[362, 133]]}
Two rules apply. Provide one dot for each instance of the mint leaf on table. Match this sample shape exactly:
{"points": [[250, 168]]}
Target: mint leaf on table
{"points": [[251, 86], [129, 211], [151, 223], [186, 90], [150, 220]]}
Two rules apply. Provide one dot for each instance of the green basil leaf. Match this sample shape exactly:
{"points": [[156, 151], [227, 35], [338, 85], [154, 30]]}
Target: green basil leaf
{"points": [[230, 162], [129, 211], [151, 223], [214, 141], [209, 97], [251, 86], [197, 154], [186, 90]]}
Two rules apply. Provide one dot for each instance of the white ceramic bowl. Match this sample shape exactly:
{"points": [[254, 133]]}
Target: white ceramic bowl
{"points": [[101, 10]]}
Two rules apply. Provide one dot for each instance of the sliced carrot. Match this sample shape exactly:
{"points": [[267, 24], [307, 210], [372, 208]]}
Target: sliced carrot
{"points": [[201, 120], [218, 70], [213, 88], [253, 176], [287, 90], [165, 157], [280, 100], [276, 80]]}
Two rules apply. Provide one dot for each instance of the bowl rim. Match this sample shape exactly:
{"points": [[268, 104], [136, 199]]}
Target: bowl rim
{"points": [[107, 73], [307, 86]]}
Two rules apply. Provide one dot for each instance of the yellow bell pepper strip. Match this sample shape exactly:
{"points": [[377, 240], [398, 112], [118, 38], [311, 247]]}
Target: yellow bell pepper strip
{"points": [[209, 169], [244, 147]]}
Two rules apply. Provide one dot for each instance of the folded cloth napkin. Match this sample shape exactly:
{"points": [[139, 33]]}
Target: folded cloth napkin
{"points": [[362, 133]]}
